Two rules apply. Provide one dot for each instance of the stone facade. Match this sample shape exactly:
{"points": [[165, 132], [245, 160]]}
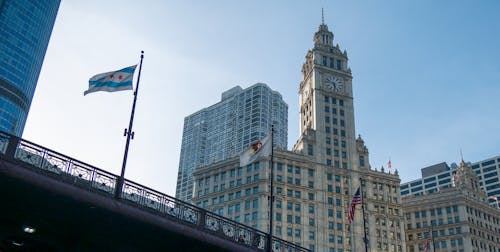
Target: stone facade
{"points": [[456, 219], [314, 182]]}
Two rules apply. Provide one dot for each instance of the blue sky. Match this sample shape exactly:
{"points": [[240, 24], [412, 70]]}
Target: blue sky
{"points": [[426, 76]]}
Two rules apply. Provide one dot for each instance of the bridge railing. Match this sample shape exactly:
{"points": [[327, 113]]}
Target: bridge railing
{"points": [[81, 174]]}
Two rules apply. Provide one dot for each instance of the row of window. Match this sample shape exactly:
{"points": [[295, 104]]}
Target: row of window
{"points": [[439, 244], [232, 183], [231, 196], [232, 173], [326, 60], [334, 100], [482, 215], [334, 121], [335, 131], [328, 140], [237, 207], [341, 112], [433, 212], [434, 223]]}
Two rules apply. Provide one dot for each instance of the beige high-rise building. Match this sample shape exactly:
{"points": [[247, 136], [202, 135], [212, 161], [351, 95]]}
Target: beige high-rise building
{"points": [[314, 183], [454, 219]]}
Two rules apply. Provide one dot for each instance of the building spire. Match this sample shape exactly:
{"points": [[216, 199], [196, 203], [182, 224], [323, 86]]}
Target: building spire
{"points": [[322, 16]]}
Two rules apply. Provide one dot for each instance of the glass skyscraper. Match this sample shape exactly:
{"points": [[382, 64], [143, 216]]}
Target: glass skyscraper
{"points": [[25, 28], [224, 129]]}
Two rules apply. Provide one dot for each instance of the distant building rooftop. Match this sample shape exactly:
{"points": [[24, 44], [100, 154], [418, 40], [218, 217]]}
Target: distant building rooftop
{"points": [[434, 169]]}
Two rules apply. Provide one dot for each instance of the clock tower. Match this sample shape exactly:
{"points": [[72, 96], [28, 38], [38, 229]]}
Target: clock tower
{"points": [[326, 104]]}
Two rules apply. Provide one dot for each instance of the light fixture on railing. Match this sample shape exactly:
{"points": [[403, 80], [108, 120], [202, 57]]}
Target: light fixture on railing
{"points": [[18, 244], [29, 230]]}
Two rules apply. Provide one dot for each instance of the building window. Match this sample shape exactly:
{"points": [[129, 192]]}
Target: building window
{"points": [[278, 204], [339, 65], [278, 230], [278, 216], [331, 62], [330, 188], [310, 149], [324, 60], [256, 190], [297, 207], [297, 194], [310, 172]]}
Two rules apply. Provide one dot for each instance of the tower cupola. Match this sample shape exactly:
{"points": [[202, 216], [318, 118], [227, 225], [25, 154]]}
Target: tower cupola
{"points": [[323, 36]]}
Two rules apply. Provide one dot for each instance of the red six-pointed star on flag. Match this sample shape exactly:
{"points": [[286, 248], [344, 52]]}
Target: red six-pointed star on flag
{"points": [[120, 77]]}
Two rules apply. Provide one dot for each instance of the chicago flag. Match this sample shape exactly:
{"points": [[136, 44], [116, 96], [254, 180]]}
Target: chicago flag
{"points": [[112, 81]]}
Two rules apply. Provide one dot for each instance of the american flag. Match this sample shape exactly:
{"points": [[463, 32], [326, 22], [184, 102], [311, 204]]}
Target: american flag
{"points": [[427, 243], [355, 201], [389, 164], [493, 197]]}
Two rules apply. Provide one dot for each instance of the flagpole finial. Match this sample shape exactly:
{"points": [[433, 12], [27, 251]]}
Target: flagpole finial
{"points": [[142, 54]]}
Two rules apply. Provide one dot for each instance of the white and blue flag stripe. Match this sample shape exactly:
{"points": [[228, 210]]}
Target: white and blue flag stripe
{"points": [[112, 81]]}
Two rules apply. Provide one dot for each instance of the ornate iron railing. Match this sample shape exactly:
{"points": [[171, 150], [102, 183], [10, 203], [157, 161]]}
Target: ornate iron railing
{"points": [[70, 170]]}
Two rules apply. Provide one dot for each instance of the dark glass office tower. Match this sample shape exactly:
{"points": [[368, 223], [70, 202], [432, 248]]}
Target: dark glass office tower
{"points": [[25, 28]]}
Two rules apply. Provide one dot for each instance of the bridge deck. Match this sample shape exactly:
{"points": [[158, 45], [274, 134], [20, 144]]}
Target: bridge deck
{"points": [[72, 208]]}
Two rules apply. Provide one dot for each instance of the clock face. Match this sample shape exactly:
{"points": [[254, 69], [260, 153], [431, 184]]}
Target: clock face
{"points": [[334, 83]]}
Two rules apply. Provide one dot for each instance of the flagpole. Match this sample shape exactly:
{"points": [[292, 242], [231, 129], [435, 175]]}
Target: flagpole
{"points": [[363, 209], [271, 199], [432, 239], [130, 134]]}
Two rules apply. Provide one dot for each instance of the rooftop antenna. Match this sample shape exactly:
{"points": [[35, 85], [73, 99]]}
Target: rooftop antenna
{"points": [[322, 16], [462, 155]]}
